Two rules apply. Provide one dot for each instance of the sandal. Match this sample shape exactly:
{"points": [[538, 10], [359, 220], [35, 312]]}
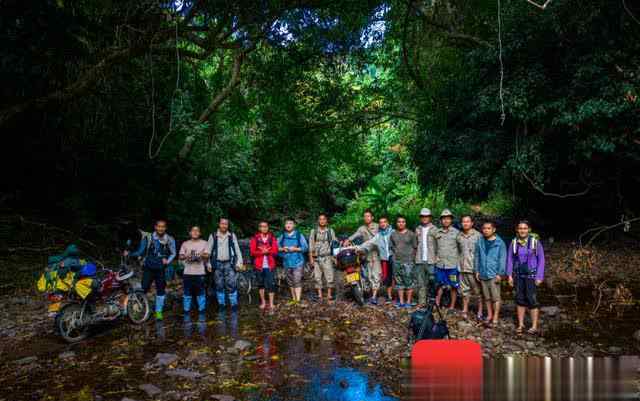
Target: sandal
{"points": [[520, 330], [533, 332]]}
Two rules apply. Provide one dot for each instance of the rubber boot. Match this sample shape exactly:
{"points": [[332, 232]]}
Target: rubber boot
{"points": [[186, 304], [221, 300], [202, 303], [233, 300], [159, 306]]}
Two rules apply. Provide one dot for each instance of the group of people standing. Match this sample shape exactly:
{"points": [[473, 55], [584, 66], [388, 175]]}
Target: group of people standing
{"points": [[430, 260]]}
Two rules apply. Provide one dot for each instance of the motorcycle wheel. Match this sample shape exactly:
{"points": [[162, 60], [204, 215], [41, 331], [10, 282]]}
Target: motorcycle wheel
{"points": [[68, 320], [244, 284], [357, 293], [138, 310]]}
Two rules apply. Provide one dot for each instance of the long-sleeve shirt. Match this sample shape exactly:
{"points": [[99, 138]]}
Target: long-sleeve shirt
{"points": [[403, 246], [380, 242], [422, 235], [443, 247], [161, 248], [293, 259], [524, 253], [490, 258], [366, 233], [264, 249], [222, 253]]}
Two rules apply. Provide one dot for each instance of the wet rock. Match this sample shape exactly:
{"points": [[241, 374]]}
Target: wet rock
{"points": [[242, 345], [550, 311], [127, 399], [614, 350], [150, 389], [464, 325], [27, 360], [222, 397], [67, 355], [163, 359], [530, 344], [183, 373]]}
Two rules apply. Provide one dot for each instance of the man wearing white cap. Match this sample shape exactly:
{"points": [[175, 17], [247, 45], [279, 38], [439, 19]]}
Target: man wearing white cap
{"points": [[424, 267]]}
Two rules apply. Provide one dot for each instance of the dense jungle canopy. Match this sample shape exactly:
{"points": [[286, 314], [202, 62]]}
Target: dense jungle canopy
{"points": [[190, 110]]}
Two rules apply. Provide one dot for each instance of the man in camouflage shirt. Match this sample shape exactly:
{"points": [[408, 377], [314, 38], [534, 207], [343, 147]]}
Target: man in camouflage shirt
{"points": [[373, 269], [467, 240], [321, 257]]}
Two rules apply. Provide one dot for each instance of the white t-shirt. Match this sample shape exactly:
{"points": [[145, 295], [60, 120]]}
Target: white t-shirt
{"points": [[425, 233]]}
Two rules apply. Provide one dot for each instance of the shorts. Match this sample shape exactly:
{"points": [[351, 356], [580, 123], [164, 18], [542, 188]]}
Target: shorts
{"points": [[266, 279], [387, 272], [526, 290], [447, 277], [491, 290], [403, 274], [294, 276], [469, 284]]}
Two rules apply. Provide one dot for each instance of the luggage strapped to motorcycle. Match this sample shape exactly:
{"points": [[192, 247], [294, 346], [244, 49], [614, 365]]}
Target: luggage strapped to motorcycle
{"points": [[423, 327]]}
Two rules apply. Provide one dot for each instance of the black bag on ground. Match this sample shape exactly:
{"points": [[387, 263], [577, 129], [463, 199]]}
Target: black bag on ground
{"points": [[424, 326]]}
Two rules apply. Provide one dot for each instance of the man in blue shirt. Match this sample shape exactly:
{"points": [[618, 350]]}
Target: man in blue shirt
{"points": [[157, 251], [292, 245]]}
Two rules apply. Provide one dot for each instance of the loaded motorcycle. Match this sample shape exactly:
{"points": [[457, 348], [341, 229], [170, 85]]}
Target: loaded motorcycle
{"points": [[101, 296], [349, 263]]}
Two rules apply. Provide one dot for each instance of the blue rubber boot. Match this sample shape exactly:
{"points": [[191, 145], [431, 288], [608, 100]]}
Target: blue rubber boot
{"points": [[202, 303], [186, 304], [233, 300], [159, 306], [221, 300]]}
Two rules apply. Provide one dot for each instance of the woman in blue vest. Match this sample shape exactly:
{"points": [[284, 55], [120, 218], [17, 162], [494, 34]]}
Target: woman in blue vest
{"points": [[157, 251]]}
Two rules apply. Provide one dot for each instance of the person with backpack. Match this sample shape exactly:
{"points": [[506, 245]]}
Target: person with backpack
{"points": [[403, 246], [225, 259], [157, 251], [292, 246], [467, 241], [264, 249], [381, 243], [372, 268], [321, 240], [424, 268], [443, 249], [194, 254], [525, 270], [490, 260]]}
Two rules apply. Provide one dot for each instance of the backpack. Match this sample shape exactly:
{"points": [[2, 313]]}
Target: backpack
{"points": [[424, 326], [532, 245], [298, 239], [333, 243]]}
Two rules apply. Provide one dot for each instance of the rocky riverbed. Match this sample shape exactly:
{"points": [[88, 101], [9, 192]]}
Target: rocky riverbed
{"points": [[253, 354]]}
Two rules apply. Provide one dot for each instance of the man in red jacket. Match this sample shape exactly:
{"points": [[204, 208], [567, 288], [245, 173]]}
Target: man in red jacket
{"points": [[264, 248]]}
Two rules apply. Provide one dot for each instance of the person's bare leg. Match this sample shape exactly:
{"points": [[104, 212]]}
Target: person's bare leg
{"points": [[319, 290], [496, 311], [489, 311], [410, 295], [454, 296], [465, 304], [272, 296], [293, 293], [401, 296], [521, 311], [298, 292], [390, 293], [480, 302], [374, 294], [263, 302], [535, 313], [438, 296], [329, 293]]}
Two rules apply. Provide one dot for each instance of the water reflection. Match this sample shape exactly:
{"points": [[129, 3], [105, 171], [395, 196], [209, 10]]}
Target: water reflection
{"points": [[546, 379]]}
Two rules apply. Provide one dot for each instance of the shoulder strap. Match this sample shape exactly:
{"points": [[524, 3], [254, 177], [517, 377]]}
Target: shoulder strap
{"points": [[298, 238]]}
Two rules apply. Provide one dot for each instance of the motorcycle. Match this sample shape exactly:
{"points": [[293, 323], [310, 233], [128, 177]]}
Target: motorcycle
{"points": [[112, 297], [349, 263]]}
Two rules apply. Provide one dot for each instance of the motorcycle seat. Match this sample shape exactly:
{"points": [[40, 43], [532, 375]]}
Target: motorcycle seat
{"points": [[124, 276]]}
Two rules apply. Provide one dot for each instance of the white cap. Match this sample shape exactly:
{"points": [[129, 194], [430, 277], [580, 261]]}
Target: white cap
{"points": [[425, 212]]}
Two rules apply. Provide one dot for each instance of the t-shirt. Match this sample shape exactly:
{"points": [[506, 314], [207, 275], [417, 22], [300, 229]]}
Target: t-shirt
{"points": [[193, 248], [403, 246]]}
